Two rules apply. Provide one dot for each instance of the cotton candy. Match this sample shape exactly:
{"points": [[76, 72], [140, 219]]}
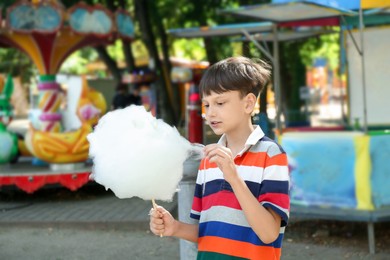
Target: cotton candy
{"points": [[135, 154]]}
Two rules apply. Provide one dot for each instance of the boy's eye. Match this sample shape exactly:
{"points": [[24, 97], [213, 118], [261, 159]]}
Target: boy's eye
{"points": [[220, 103], [205, 105]]}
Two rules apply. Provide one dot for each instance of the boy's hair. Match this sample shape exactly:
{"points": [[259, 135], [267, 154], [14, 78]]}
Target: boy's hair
{"points": [[236, 73]]}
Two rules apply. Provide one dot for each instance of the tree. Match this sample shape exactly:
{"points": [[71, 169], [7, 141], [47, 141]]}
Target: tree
{"points": [[142, 12], [298, 55]]}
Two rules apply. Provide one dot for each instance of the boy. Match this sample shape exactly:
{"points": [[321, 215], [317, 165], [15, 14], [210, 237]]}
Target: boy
{"points": [[241, 194]]}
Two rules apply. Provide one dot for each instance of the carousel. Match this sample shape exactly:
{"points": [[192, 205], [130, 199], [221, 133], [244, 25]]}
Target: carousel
{"points": [[48, 33]]}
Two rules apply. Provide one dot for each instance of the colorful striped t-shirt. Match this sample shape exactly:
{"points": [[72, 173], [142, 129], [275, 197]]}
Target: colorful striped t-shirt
{"points": [[224, 232]]}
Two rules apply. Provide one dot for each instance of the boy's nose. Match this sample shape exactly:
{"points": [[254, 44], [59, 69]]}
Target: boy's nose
{"points": [[210, 112]]}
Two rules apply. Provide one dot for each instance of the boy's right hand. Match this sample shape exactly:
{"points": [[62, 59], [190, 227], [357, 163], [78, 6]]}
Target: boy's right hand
{"points": [[161, 222]]}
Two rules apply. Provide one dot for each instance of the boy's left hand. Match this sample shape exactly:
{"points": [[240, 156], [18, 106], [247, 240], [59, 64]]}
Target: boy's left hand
{"points": [[223, 157]]}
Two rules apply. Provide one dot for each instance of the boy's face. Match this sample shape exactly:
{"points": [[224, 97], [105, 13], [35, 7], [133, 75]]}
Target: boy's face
{"points": [[227, 112]]}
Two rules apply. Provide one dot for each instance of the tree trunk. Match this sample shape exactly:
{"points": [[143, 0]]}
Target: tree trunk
{"points": [[167, 66], [164, 103], [129, 58], [293, 71], [111, 63], [246, 51], [130, 62], [208, 42], [210, 50]]}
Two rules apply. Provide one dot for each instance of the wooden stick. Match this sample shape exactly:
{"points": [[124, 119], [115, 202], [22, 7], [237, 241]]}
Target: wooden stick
{"points": [[154, 204], [155, 208]]}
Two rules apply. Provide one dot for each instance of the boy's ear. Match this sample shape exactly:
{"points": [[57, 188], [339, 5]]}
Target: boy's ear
{"points": [[250, 102]]}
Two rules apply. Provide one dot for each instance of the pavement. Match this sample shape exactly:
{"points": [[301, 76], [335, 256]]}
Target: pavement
{"points": [[92, 223], [91, 205]]}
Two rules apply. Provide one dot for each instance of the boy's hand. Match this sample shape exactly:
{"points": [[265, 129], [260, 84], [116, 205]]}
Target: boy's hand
{"points": [[161, 222], [223, 157]]}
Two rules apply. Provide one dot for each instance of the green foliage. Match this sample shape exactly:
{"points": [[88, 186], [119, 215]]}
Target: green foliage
{"points": [[297, 55], [139, 50], [190, 49], [76, 63], [195, 13], [4, 4], [325, 46], [16, 63], [115, 50]]}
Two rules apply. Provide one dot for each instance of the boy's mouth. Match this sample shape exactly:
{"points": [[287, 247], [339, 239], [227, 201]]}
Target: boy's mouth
{"points": [[215, 123]]}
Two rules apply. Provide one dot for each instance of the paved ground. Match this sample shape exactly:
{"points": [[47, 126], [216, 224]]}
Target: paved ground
{"points": [[91, 223]]}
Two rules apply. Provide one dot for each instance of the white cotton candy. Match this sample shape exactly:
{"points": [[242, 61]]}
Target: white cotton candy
{"points": [[135, 154]]}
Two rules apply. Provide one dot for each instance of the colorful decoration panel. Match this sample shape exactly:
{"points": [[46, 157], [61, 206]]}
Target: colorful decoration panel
{"points": [[124, 25], [8, 140], [30, 183], [49, 34], [25, 17], [339, 169], [95, 20], [380, 173]]}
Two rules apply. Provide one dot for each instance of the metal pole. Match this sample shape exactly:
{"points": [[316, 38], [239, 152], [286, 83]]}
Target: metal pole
{"points": [[278, 97], [371, 237], [361, 26], [261, 48], [343, 116], [188, 250]]}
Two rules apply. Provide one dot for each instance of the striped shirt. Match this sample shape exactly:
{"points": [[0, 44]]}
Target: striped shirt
{"points": [[224, 232]]}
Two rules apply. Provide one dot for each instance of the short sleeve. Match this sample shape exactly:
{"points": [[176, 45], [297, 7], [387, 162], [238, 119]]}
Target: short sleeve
{"points": [[198, 194], [274, 191]]}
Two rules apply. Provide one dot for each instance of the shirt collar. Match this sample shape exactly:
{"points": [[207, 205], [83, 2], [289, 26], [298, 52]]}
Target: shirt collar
{"points": [[253, 138]]}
